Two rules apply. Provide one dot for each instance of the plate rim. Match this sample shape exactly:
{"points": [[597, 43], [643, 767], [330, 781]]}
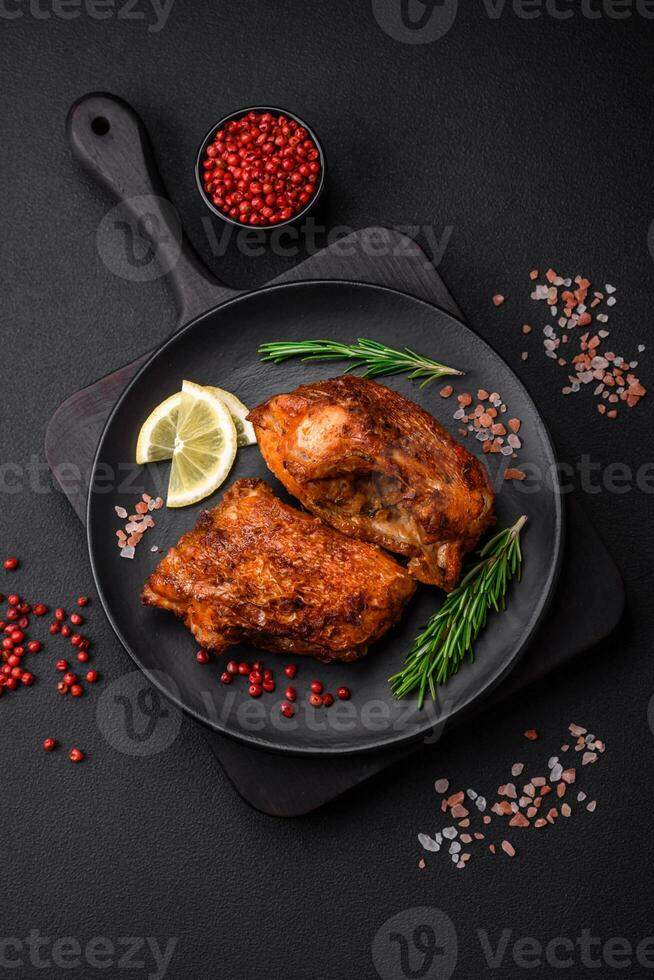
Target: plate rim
{"points": [[394, 739]]}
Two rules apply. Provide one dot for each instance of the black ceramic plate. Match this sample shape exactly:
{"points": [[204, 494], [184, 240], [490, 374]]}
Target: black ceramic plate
{"points": [[220, 348]]}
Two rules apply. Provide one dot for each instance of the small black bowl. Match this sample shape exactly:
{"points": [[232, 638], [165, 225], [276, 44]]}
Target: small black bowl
{"points": [[275, 110]]}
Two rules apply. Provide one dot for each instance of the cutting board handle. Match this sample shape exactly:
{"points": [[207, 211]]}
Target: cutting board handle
{"points": [[110, 141]]}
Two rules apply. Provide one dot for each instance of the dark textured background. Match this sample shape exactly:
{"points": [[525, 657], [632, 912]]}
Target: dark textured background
{"points": [[532, 139]]}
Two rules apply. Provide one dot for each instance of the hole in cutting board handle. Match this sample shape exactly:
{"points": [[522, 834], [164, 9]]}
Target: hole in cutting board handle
{"points": [[100, 126]]}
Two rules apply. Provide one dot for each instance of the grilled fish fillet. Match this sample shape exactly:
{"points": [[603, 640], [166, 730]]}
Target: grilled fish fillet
{"points": [[259, 571], [375, 465]]}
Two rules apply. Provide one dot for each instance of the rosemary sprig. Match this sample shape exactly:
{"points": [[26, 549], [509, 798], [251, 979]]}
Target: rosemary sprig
{"points": [[450, 634], [377, 359]]}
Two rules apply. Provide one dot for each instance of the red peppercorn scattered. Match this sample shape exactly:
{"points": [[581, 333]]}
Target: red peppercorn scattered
{"points": [[316, 687], [315, 700], [62, 687], [328, 700], [343, 693], [13, 599], [76, 619], [76, 755], [201, 656], [244, 669], [66, 630], [287, 710], [27, 678], [92, 676], [261, 169], [49, 744], [83, 657], [11, 684], [257, 665], [34, 646], [12, 615], [55, 628], [290, 694], [70, 678], [23, 622], [40, 609], [254, 690], [11, 564], [60, 614], [290, 671], [83, 600], [75, 639], [24, 609], [62, 665], [77, 690], [268, 685], [226, 677], [255, 677]]}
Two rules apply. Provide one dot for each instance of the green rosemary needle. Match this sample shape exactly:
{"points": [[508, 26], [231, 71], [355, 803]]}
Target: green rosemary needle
{"points": [[450, 634], [377, 359]]}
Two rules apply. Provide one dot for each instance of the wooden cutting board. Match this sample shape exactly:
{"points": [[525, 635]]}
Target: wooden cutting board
{"points": [[590, 598]]}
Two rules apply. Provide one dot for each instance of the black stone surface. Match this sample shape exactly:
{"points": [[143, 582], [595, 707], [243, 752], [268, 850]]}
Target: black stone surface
{"points": [[531, 139]]}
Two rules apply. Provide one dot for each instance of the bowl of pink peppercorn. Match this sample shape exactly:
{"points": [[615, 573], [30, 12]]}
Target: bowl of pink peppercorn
{"points": [[261, 167]]}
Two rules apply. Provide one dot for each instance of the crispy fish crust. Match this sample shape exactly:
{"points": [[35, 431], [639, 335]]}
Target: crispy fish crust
{"points": [[259, 571], [375, 465]]}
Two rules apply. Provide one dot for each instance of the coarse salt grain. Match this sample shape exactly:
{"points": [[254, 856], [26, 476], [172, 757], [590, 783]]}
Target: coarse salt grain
{"points": [[521, 813]]}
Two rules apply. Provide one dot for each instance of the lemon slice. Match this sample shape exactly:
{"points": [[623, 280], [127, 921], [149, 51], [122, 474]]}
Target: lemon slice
{"points": [[156, 439], [205, 446], [157, 436], [244, 429]]}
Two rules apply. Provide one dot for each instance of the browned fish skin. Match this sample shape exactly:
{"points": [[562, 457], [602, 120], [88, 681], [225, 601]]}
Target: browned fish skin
{"points": [[378, 467], [259, 571]]}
